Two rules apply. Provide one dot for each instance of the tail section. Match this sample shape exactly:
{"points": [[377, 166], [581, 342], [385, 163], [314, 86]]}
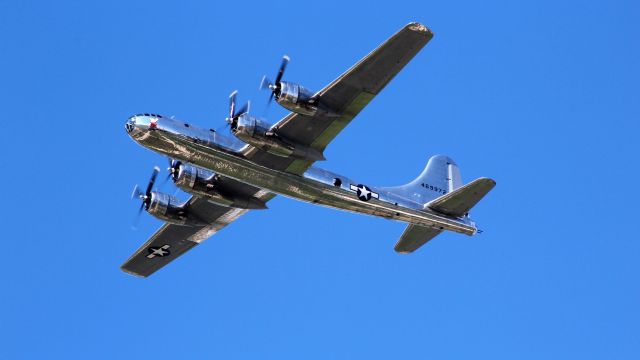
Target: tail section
{"points": [[440, 177], [440, 189]]}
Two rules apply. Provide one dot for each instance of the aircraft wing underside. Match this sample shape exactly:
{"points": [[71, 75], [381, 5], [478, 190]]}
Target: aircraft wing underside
{"points": [[346, 96], [171, 241]]}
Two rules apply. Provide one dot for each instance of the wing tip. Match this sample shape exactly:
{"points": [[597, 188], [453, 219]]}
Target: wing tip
{"points": [[401, 250], [133, 273], [487, 180], [418, 27]]}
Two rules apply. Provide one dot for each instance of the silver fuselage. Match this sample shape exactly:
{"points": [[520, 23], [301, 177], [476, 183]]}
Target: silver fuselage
{"points": [[224, 155]]}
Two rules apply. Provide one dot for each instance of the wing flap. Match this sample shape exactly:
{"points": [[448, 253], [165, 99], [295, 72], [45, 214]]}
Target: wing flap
{"points": [[461, 200]]}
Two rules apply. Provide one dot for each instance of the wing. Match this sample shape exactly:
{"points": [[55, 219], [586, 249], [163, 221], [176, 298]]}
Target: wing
{"points": [[171, 241], [346, 96]]}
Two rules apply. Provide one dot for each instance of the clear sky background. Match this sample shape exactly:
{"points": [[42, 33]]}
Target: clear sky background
{"points": [[541, 96]]}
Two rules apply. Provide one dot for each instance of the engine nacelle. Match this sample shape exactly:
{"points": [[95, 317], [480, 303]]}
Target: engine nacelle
{"points": [[204, 183], [258, 133], [170, 209], [296, 98]]}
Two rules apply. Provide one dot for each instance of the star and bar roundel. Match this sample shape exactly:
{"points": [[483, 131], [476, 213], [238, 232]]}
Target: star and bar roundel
{"points": [[363, 192], [160, 251]]}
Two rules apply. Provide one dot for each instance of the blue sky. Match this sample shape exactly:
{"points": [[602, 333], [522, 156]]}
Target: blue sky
{"points": [[542, 96]]}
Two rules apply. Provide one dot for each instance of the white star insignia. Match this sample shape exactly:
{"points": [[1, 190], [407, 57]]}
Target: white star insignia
{"points": [[363, 192], [158, 251]]}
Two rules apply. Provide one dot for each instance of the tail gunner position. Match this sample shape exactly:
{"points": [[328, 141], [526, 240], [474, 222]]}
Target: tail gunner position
{"points": [[228, 176]]}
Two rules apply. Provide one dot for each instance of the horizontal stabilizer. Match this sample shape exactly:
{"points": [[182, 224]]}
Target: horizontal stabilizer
{"points": [[458, 202], [414, 237]]}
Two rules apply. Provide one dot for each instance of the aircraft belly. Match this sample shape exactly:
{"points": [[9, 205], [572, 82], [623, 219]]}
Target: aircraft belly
{"points": [[307, 188]]}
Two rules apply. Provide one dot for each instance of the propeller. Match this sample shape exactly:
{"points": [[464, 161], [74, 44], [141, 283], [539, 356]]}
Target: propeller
{"points": [[234, 114], [174, 169], [275, 86], [145, 197]]}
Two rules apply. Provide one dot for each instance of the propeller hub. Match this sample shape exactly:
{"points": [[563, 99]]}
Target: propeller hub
{"points": [[145, 196], [275, 86], [174, 169], [235, 113]]}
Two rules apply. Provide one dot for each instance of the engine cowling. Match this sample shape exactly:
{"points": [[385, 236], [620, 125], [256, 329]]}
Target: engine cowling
{"points": [[293, 96], [260, 134], [170, 209], [296, 98], [207, 184]]}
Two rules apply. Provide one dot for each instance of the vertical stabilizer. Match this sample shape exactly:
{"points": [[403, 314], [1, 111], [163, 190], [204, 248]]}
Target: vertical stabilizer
{"points": [[440, 177]]}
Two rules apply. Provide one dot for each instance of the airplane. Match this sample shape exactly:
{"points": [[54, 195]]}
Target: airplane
{"points": [[227, 176]]}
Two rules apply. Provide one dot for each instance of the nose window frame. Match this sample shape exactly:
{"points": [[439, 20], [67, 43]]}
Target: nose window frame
{"points": [[129, 126]]}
